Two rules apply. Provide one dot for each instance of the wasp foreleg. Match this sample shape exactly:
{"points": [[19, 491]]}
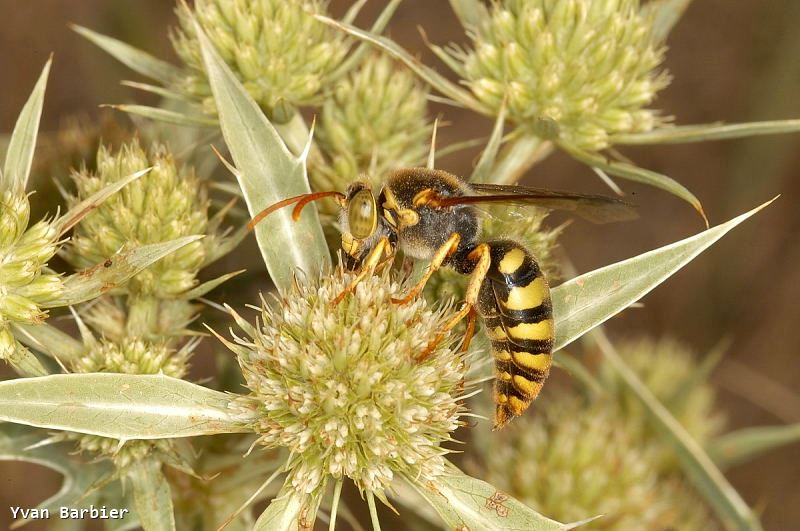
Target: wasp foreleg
{"points": [[442, 253], [372, 261], [482, 256]]}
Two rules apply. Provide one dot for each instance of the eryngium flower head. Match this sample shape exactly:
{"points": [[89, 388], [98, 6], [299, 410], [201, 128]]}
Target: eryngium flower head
{"points": [[375, 121], [572, 70], [165, 204], [340, 386], [278, 50], [675, 376], [24, 283], [130, 356], [575, 459]]}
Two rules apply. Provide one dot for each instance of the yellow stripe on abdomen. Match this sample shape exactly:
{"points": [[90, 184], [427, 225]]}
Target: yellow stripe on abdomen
{"points": [[527, 297], [532, 331]]}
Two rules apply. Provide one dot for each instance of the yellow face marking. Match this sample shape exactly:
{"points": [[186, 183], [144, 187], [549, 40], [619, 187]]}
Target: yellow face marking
{"points": [[516, 405], [511, 261], [408, 217], [349, 245], [502, 355], [537, 362], [497, 333], [526, 297], [540, 330], [526, 386]]}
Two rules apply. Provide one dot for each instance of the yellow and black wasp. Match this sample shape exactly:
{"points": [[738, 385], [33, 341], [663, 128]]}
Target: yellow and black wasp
{"points": [[431, 215]]}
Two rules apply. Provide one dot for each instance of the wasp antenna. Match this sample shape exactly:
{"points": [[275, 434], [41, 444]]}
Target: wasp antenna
{"points": [[312, 197]]}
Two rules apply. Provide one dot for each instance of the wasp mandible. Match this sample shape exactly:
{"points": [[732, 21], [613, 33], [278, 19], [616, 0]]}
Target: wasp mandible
{"points": [[431, 215]]}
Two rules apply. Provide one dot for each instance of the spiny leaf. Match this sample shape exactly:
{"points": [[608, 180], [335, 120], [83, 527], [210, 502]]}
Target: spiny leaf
{"points": [[152, 495], [165, 115], [637, 174], [283, 513], [114, 271], [665, 13], [430, 76], [743, 445], [267, 173], [48, 340], [685, 134], [483, 169], [25, 363], [120, 406], [137, 60], [472, 14], [19, 156], [464, 502], [584, 302]]}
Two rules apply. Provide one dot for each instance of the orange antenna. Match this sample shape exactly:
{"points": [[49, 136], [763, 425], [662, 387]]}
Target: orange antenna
{"points": [[301, 200]]}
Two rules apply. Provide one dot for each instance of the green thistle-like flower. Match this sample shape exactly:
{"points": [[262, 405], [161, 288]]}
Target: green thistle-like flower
{"points": [[280, 53], [571, 70], [670, 369], [130, 356], [165, 204], [25, 282], [575, 459], [341, 389], [374, 122]]}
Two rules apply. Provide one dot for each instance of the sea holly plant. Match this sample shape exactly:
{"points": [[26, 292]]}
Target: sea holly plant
{"points": [[28, 287], [328, 395]]}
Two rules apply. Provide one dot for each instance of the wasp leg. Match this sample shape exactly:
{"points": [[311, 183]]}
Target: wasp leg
{"points": [[371, 262], [442, 253], [470, 329], [482, 255]]}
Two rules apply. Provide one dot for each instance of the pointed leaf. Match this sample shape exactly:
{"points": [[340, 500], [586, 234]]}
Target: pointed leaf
{"points": [[684, 134], [165, 115], [430, 76], [205, 287], [743, 445], [582, 303], [115, 271], [137, 60], [267, 173], [79, 211], [155, 89], [665, 13], [49, 340], [152, 495], [636, 174], [464, 502], [472, 14], [283, 513], [354, 58], [120, 406], [483, 169], [696, 464], [19, 156]]}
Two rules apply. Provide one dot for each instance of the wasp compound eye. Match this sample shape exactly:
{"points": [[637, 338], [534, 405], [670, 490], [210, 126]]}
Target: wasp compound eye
{"points": [[361, 215]]}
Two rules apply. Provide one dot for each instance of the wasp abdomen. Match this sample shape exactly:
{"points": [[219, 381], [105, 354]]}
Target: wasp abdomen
{"points": [[515, 305]]}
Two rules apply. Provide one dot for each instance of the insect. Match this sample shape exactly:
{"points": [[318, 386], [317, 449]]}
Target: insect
{"points": [[431, 215]]}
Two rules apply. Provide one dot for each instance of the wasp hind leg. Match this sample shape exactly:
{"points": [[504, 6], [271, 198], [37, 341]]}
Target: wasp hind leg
{"points": [[481, 256], [373, 260]]}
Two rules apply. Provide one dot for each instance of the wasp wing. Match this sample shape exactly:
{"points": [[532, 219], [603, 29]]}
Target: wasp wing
{"points": [[594, 208]]}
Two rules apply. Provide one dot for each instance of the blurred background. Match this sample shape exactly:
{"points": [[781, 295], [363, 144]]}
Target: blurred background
{"points": [[731, 61]]}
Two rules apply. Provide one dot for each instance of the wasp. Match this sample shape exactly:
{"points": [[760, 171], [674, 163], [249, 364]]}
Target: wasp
{"points": [[434, 216]]}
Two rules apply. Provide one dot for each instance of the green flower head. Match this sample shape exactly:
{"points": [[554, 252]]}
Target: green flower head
{"points": [[575, 71], [341, 389], [375, 121], [167, 203], [280, 53]]}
